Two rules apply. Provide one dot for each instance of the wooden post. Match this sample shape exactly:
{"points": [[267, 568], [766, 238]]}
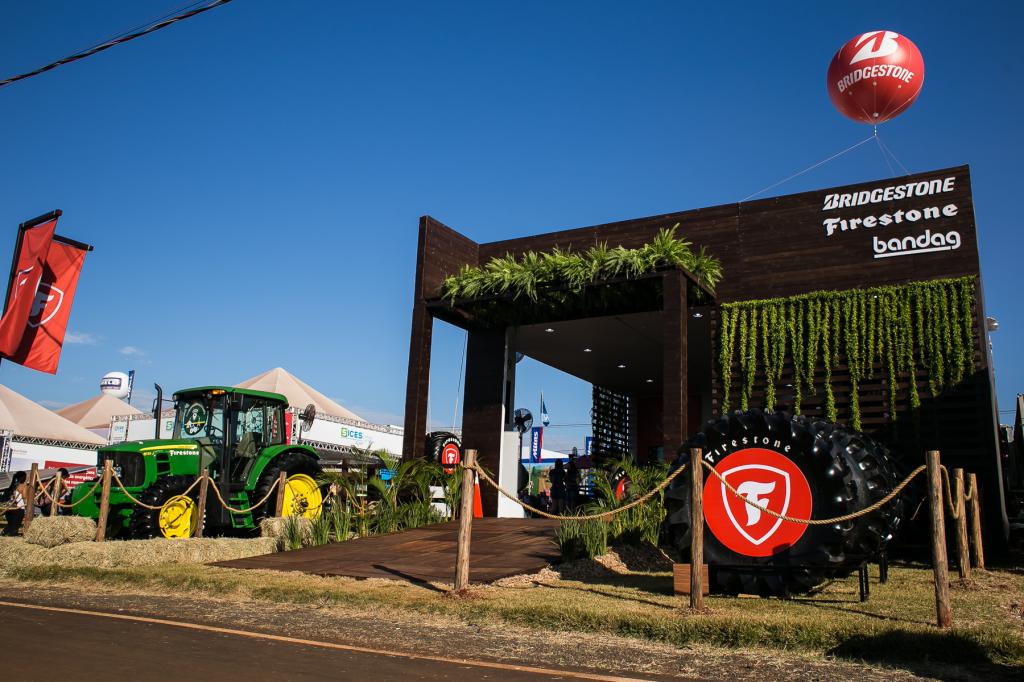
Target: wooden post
{"points": [[465, 522], [975, 507], [962, 550], [30, 500], [204, 484], [101, 522], [942, 614], [282, 483], [58, 482], [696, 530]]}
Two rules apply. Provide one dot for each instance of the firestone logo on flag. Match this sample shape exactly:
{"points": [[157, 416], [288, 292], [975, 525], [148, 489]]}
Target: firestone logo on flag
{"points": [[48, 300], [765, 480], [35, 320]]}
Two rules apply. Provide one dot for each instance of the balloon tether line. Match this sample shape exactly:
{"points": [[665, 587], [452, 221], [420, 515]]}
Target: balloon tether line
{"points": [[881, 150], [889, 152], [810, 168]]}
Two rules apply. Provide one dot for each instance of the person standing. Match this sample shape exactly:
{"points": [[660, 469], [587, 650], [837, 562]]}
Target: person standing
{"points": [[572, 483], [16, 514], [557, 478]]}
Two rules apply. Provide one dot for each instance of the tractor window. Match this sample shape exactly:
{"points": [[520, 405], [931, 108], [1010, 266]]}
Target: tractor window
{"points": [[199, 417], [258, 422], [251, 420]]}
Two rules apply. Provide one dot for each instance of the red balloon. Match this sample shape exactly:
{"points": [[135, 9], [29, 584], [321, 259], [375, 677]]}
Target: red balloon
{"points": [[875, 76]]}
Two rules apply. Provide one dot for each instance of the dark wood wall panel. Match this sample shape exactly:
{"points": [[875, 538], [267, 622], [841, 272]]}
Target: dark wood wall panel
{"points": [[440, 251]]}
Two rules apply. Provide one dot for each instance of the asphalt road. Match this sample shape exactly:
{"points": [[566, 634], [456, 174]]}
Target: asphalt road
{"points": [[47, 643]]}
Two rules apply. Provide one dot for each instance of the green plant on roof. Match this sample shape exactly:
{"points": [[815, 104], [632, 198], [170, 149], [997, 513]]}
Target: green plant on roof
{"points": [[526, 276]]}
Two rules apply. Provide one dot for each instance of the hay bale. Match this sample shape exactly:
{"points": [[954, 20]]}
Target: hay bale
{"points": [[51, 531], [17, 553], [276, 527]]}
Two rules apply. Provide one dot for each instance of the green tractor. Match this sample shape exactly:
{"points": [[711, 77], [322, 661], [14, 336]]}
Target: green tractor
{"points": [[238, 436]]}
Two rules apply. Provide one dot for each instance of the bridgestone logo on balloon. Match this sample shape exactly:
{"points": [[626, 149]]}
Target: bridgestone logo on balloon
{"points": [[875, 76]]}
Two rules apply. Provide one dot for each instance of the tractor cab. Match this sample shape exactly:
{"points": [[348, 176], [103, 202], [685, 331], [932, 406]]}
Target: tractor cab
{"points": [[230, 426]]}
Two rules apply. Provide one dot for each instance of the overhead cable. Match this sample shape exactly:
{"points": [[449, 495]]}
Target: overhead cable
{"points": [[114, 41]]}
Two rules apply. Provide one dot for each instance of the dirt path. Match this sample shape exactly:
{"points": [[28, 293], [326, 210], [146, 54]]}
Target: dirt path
{"points": [[446, 637]]}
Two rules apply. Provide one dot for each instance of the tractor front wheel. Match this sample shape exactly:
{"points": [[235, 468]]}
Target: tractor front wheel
{"points": [[178, 515]]}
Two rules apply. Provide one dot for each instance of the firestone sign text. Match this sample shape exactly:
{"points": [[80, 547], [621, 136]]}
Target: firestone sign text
{"points": [[932, 239]]}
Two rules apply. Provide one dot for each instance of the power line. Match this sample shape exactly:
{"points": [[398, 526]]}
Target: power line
{"points": [[124, 38]]}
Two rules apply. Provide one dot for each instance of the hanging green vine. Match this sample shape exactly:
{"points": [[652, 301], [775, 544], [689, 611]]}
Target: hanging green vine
{"points": [[922, 326]]}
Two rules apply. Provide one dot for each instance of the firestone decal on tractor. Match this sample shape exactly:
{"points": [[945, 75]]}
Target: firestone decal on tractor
{"points": [[765, 478]]}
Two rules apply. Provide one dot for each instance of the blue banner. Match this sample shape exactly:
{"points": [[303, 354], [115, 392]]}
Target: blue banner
{"points": [[588, 446], [536, 444]]}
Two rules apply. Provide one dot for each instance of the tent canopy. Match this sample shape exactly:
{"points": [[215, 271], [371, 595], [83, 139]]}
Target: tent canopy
{"points": [[26, 418], [95, 413], [299, 393]]}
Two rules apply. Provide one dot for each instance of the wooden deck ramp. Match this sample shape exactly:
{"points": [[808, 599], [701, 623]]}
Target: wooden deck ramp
{"points": [[500, 548]]}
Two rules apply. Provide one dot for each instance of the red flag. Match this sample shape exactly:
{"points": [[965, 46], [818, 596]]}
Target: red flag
{"points": [[43, 335], [28, 273]]}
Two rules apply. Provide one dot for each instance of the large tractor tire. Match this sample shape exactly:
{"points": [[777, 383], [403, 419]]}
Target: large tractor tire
{"points": [[303, 496], [178, 519], [795, 466]]}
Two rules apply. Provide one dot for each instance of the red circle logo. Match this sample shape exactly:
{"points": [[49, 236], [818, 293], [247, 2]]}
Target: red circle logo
{"points": [[875, 76], [450, 456], [768, 479]]}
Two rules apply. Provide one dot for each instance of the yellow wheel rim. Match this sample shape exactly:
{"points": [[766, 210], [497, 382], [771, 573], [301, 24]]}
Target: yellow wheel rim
{"points": [[178, 518], [302, 497]]}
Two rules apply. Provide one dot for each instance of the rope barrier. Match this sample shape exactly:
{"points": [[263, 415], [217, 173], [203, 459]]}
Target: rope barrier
{"points": [[142, 504], [950, 506], [246, 510], [820, 522], [584, 517], [80, 500]]}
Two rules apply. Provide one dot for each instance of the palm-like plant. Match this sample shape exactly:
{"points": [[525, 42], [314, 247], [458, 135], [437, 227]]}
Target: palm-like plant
{"points": [[523, 277], [409, 483]]}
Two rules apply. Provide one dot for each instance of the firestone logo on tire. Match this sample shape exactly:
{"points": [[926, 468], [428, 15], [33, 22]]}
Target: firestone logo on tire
{"points": [[765, 478], [451, 455]]}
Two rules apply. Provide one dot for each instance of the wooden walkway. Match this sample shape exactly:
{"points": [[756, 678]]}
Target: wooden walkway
{"points": [[500, 548]]}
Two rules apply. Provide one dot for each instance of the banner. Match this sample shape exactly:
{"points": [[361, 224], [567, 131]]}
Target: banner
{"points": [[26, 276], [536, 443], [43, 334]]}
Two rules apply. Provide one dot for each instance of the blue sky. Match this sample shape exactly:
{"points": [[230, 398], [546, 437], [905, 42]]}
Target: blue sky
{"points": [[252, 178]]}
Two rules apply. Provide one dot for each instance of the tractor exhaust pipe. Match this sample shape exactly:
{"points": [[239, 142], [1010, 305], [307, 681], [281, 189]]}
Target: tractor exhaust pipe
{"points": [[158, 408]]}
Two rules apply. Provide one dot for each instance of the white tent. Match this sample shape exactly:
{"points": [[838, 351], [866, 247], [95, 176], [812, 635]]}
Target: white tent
{"points": [[298, 393], [25, 418], [96, 412]]}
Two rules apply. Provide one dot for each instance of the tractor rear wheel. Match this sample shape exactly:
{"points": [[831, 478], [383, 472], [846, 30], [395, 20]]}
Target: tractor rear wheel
{"points": [[178, 516], [303, 496]]}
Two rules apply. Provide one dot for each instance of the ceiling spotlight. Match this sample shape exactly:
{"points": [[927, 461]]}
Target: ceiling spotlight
{"points": [[697, 316], [549, 330], [586, 350], [622, 367], [649, 381]]}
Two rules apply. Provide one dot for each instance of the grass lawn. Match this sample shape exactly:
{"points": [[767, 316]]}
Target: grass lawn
{"points": [[894, 626]]}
